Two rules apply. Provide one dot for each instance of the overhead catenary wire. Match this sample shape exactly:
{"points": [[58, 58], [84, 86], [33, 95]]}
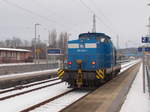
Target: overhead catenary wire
{"points": [[102, 14], [34, 13], [53, 13], [46, 9], [99, 18], [100, 11]]}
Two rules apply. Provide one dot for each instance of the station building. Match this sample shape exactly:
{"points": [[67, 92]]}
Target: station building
{"points": [[11, 55]]}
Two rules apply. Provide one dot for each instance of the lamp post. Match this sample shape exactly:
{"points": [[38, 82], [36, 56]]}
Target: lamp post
{"points": [[35, 57], [46, 50]]}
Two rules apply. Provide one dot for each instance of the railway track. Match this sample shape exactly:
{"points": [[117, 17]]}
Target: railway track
{"points": [[30, 90], [27, 85], [57, 101], [63, 101], [55, 93], [46, 101]]}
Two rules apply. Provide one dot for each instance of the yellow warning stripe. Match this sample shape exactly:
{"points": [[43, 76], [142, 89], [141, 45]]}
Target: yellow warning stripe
{"points": [[97, 77], [61, 74], [100, 74], [59, 71]]}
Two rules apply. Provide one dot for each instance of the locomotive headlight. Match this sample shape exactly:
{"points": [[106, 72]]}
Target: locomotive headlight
{"points": [[93, 62], [69, 62]]}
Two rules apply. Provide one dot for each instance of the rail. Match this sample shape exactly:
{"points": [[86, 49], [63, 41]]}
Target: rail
{"points": [[28, 91], [148, 79]]}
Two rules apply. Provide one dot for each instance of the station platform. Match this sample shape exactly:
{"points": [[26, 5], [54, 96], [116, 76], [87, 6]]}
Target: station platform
{"points": [[136, 100]]}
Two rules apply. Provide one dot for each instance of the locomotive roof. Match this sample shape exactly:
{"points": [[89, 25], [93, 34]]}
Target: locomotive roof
{"points": [[93, 35]]}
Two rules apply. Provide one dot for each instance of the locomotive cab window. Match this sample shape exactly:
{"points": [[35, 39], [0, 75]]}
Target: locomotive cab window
{"points": [[81, 46], [102, 40], [106, 40], [84, 37]]}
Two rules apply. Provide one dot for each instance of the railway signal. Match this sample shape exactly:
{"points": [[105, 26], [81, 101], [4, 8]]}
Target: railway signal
{"points": [[145, 49], [145, 39]]}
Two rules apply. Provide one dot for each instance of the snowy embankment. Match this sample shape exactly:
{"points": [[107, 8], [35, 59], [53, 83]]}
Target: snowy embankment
{"points": [[15, 64], [136, 100], [30, 73], [128, 65]]}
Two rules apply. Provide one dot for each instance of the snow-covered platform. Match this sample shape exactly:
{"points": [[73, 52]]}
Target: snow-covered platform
{"points": [[136, 100]]}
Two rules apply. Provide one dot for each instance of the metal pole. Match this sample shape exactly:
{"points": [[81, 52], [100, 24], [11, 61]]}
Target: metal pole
{"points": [[143, 69], [94, 24], [149, 27], [38, 53], [35, 42], [35, 46], [117, 41], [46, 55]]}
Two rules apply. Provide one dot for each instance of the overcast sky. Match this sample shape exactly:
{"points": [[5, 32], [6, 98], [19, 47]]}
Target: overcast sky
{"points": [[126, 18]]}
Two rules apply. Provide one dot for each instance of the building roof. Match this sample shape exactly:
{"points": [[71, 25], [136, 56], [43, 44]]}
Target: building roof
{"points": [[13, 49]]}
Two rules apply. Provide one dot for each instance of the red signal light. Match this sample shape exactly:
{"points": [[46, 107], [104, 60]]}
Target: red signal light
{"points": [[93, 63], [69, 63]]}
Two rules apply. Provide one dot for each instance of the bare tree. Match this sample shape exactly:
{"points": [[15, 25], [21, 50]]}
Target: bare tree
{"points": [[26, 43], [52, 39], [8, 42], [2, 44], [60, 42], [16, 42]]}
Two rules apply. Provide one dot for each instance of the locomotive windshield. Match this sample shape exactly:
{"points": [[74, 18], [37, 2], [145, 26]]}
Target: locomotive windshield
{"points": [[84, 37], [100, 37]]}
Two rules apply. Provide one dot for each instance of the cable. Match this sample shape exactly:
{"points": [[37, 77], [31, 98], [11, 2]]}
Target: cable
{"points": [[87, 6], [53, 13], [31, 12], [92, 11], [46, 8], [100, 11]]}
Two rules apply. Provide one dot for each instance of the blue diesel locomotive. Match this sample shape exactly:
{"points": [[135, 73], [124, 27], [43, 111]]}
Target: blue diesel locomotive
{"points": [[91, 61]]}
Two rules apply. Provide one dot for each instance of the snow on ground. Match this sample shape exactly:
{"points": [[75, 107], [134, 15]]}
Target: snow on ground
{"points": [[18, 103], [19, 64], [29, 84], [15, 64], [128, 65], [29, 73], [136, 100], [61, 102], [27, 89]]}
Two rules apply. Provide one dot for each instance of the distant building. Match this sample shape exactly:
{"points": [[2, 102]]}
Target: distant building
{"points": [[11, 55]]}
